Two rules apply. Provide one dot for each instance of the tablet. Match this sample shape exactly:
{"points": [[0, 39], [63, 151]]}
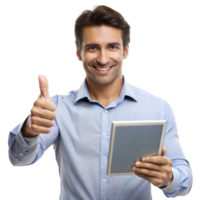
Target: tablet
{"points": [[130, 141]]}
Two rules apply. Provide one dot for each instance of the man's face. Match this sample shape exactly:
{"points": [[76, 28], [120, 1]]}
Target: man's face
{"points": [[102, 54]]}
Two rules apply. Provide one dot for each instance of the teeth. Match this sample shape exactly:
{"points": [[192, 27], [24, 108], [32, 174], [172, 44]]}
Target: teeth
{"points": [[103, 69]]}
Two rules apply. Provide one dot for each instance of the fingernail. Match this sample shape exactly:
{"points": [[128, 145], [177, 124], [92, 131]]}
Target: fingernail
{"points": [[134, 169], [137, 164], [144, 159]]}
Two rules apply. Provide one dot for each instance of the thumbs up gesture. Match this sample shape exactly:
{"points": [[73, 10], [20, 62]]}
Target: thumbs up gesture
{"points": [[42, 113]]}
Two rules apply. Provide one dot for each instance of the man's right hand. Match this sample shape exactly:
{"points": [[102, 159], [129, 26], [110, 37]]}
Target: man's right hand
{"points": [[42, 114]]}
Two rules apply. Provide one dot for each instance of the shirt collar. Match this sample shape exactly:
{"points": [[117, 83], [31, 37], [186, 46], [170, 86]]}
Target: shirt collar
{"points": [[127, 90]]}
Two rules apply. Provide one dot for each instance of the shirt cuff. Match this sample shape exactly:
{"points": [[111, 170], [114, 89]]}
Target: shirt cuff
{"points": [[174, 184]]}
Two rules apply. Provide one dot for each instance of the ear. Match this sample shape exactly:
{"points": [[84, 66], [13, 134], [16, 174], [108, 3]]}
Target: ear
{"points": [[126, 51], [78, 53]]}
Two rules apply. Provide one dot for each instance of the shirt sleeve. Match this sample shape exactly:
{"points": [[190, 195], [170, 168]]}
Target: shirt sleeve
{"points": [[26, 151], [182, 174]]}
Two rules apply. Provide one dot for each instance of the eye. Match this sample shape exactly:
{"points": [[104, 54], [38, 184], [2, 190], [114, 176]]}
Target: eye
{"points": [[92, 48], [114, 46]]}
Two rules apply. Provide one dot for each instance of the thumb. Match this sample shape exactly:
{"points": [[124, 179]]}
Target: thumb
{"points": [[163, 151], [44, 87]]}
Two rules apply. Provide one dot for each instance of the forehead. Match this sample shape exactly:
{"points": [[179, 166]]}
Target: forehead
{"points": [[101, 35]]}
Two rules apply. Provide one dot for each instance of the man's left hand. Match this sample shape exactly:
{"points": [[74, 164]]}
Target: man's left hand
{"points": [[156, 169]]}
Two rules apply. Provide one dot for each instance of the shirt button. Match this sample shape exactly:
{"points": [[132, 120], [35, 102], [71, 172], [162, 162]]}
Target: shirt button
{"points": [[104, 180], [104, 157], [24, 145], [21, 154], [104, 133], [106, 111]]}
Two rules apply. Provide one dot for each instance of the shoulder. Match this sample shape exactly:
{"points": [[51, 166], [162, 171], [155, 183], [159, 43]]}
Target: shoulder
{"points": [[144, 96], [152, 101], [70, 97]]}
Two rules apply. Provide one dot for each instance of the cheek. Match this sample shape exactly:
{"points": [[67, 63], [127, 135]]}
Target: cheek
{"points": [[116, 57], [88, 58]]}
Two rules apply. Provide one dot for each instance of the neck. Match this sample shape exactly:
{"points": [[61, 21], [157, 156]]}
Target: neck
{"points": [[104, 94]]}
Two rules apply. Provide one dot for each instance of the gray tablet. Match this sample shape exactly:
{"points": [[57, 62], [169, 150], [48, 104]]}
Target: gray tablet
{"points": [[131, 140]]}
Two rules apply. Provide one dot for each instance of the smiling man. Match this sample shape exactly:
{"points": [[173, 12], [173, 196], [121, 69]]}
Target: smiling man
{"points": [[102, 55], [79, 124]]}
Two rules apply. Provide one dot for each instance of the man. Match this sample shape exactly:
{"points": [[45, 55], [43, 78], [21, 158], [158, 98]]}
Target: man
{"points": [[79, 124]]}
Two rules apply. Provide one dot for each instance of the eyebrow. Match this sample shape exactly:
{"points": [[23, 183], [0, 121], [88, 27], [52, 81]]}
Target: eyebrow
{"points": [[97, 45]]}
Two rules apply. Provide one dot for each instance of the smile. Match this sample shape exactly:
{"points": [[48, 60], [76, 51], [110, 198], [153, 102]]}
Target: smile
{"points": [[102, 70]]}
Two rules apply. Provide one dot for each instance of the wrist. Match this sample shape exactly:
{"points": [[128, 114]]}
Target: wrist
{"points": [[170, 180], [27, 131]]}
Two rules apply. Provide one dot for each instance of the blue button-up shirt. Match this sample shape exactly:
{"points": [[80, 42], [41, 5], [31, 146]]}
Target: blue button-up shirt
{"points": [[81, 137]]}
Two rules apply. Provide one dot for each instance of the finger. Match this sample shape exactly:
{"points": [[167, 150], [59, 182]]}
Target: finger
{"points": [[40, 129], [44, 87], [155, 181], [46, 114], [159, 160], [42, 103], [147, 172], [163, 151], [29, 125], [41, 121], [151, 166]]}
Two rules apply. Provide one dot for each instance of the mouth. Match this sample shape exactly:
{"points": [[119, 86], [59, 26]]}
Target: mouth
{"points": [[103, 70]]}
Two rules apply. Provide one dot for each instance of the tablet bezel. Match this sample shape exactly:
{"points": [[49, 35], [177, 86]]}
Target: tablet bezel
{"points": [[132, 123]]}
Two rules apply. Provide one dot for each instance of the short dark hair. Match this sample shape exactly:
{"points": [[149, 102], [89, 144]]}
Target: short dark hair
{"points": [[101, 15]]}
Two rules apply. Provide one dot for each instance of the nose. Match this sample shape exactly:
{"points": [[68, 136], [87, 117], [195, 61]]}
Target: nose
{"points": [[103, 58]]}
